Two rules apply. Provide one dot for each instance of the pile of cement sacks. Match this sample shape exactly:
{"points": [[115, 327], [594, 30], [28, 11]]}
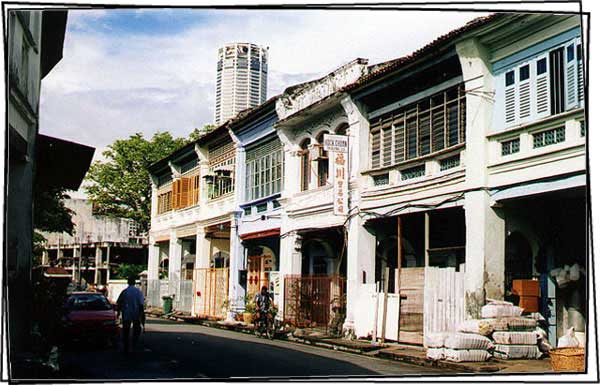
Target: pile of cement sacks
{"points": [[512, 336], [458, 347]]}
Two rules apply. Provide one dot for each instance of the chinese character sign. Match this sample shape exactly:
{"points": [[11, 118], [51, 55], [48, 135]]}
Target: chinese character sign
{"points": [[337, 145]]}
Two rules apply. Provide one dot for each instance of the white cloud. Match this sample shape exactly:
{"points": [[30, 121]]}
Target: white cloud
{"points": [[110, 85]]}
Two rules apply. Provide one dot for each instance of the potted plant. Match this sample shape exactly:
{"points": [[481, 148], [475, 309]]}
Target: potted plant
{"points": [[248, 309]]}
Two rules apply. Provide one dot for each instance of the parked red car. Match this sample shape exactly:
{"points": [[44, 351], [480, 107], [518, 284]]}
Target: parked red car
{"points": [[90, 316]]}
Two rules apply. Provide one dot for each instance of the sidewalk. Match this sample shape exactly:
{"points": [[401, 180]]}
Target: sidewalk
{"points": [[406, 354]]}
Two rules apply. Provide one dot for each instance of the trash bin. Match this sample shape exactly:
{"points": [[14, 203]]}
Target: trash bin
{"points": [[167, 304]]}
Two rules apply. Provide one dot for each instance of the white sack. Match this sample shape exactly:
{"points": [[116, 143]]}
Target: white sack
{"points": [[568, 340], [513, 351], [464, 341], [435, 339], [466, 355], [499, 310], [514, 337], [436, 353], [476, 326], [521, 323]]}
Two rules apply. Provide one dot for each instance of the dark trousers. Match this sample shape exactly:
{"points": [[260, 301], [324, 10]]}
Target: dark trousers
{"points": [[137, 330]]}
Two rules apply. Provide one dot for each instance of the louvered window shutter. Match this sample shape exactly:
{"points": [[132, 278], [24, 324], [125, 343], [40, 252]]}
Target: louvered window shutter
{"points": [[376, 146], [386, 145], [399, 138], [510, 91], [580, 78], [542, 86], [524, 92], [175, 189], [570, 78], [185, 192]]}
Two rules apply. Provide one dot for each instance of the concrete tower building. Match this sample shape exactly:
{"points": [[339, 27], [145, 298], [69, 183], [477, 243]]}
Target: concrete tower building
{"points": [[241, 79]]}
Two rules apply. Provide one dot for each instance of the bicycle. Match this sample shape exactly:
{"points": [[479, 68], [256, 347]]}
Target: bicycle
{"points": [[264, 324]]}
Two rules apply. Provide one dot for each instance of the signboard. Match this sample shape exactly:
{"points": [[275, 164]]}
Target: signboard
{"points": [[337, 145]]}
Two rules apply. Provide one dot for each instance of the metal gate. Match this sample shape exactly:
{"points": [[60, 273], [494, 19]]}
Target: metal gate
{"points": [[211, 291], [309, 301]]}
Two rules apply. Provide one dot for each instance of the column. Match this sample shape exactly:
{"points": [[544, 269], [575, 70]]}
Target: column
{"points": [[154, 197], [75, 265], [153, 259], [174, 263], [358, 130], [485, 229], [236, 263], [45, 257], [290, 263], [107, 263], [484, 254], [97, 264], [360, 266], [202, 249], [291, 175]]}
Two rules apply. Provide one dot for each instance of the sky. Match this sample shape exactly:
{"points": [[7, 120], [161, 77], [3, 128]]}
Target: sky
{"points": [[144, 70]]}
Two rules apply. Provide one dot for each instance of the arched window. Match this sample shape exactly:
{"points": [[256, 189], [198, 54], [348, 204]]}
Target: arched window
{"points": [[342, 129], [322, 161], [304, 165]]}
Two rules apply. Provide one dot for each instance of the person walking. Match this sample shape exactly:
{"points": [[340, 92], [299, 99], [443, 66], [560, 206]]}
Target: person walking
{"points": [[131, 306]]}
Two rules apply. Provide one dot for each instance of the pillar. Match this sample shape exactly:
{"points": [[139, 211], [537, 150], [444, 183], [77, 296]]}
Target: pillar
{"points": [[174, 264], [361, 263], [290, 263], [202, 249], [236, 263], [153, 259], [97, 264], [107, 263], [45, 257], [484, 254], [484, 219]]}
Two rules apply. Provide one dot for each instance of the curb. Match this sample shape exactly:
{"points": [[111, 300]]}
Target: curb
{"points": [[379, 352]]}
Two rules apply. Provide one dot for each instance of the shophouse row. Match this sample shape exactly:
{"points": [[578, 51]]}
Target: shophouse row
{"points": [[464, 169]]}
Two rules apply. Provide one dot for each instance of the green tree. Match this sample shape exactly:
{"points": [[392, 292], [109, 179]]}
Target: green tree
{"points": [[49, 211], [120, 187], [125, 271], [197, 133]]}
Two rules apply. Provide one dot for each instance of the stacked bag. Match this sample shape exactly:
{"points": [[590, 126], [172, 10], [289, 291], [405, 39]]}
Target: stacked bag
{"points": [[458, 347], [512, 337]]}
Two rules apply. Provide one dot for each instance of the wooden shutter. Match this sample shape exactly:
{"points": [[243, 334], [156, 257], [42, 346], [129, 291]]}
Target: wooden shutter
{"points": [[542, 85], [570, 77], [425, 128], [399, 138], [185, 192], [386, 138], [524, 92], [195, 190], [376, 145], [411, 133], [510, 97], [437, 123], [176, 194]]}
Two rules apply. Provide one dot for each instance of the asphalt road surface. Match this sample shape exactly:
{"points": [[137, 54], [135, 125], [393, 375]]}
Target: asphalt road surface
{"points": [[172, 350]]}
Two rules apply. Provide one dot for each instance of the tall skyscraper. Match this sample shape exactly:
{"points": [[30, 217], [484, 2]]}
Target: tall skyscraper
{"points": [[241, 79]]}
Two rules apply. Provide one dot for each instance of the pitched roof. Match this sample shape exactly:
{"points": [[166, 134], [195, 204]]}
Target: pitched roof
{"points": [[384, 68]]}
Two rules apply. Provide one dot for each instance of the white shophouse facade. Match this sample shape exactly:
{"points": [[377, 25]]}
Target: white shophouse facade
{"points": [[457, 155]]}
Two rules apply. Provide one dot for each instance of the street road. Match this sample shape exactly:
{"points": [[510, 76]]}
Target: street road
{"points": [[171, 350]]}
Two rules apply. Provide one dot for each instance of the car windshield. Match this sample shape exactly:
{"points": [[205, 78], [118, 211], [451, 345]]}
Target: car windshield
{"points": [[89, 302]]}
